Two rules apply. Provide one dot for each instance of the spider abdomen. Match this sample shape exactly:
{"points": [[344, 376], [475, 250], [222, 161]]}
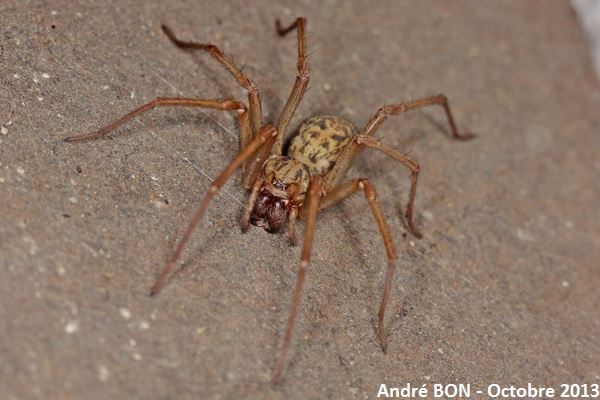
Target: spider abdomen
{"points": [[319, 142]]}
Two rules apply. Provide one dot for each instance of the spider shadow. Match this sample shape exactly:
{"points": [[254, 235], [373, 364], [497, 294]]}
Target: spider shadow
{"points": [[358, 249]]}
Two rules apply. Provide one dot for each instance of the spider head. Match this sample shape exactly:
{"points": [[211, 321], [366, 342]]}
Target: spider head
{"points": [[284, 187]]}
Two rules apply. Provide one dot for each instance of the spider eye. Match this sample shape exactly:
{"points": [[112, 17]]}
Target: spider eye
{"points": [[279, 184]]}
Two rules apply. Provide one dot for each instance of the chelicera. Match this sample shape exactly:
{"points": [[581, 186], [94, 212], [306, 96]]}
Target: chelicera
{"points": [[302, 182]]}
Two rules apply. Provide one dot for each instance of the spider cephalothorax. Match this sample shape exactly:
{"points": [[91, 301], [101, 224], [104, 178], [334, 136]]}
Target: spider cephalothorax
{"points": [[306, 180]]}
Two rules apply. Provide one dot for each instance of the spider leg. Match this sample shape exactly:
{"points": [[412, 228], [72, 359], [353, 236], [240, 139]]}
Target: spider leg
{"points": [[409, 163], [344, 191], [253, 167], [352, 149], [242, 79], [225, 105], [290, 107], [265, 137], [250, 203], [301, 80], [293, 217], [397, 109], [314, 196], [356, 146]]}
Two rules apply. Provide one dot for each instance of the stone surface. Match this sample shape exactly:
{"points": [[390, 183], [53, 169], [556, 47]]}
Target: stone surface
{"points": [[503, 287]]}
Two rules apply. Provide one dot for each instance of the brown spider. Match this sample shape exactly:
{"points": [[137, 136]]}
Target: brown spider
{"points": [[306, 180]]}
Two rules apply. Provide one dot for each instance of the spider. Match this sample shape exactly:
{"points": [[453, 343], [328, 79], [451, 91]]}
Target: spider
{"points": [[302, 182]]}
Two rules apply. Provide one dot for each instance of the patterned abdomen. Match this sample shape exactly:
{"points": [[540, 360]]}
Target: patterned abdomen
{"points": [[319, 142]]}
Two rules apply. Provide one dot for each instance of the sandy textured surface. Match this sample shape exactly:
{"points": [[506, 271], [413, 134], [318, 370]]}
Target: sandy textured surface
{"points": [[503, 288]]}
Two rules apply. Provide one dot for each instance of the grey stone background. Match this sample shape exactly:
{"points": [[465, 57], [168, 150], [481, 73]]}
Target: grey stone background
{"points": [[503, 288]]}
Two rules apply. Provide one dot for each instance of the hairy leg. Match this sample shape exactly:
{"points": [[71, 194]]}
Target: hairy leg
{"points": [[301, 80], [314, 196], [241, 78], [344, 191], [265, 137], [225, 105]]}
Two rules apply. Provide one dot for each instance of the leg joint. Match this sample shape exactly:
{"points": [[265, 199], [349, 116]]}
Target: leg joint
{"points": [[370, 192]]}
